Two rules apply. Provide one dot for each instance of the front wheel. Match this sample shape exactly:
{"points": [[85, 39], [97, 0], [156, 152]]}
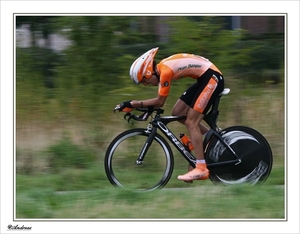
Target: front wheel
{"points": [[121, 156], [253, 150]]}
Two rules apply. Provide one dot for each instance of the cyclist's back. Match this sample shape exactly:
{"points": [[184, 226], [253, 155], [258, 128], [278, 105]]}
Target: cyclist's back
{"points": [[185, 65], [180, 66]]}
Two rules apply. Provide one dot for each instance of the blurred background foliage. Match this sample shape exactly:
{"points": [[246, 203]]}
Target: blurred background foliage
{"points": [[102, 49], [65, 97]]}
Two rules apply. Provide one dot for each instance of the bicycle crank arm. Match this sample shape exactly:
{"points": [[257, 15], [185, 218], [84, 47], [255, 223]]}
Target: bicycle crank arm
{"points": [[238, 162], [225, 163]]}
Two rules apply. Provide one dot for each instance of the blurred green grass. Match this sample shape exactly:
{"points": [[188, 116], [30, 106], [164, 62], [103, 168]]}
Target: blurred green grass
{"points": [[204, 201]]}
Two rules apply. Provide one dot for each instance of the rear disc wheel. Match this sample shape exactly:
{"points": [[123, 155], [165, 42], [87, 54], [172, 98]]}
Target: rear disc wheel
{"points": [[254, 151]]}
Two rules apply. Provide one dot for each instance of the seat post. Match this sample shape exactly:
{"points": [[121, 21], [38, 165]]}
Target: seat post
{"points": [[215, 105], [212, 116]]}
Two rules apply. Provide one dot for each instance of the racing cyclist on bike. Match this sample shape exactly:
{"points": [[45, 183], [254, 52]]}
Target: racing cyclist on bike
{"points": [[194, 103]]}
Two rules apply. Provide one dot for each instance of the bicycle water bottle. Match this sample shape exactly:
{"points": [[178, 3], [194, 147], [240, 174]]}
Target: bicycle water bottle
{"points": [[186, 141]]}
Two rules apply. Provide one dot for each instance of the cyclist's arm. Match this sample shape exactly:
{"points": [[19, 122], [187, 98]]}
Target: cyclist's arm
{"points": [[159, 101], [166, 75]]}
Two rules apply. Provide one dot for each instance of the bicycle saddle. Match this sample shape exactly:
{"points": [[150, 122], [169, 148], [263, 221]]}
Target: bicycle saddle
{"points": [[224, 92]]}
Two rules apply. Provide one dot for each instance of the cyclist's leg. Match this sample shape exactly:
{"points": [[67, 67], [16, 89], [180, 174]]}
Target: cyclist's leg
{"points": [[183, 105], [209, 86], [180, 108], [192, 124]]}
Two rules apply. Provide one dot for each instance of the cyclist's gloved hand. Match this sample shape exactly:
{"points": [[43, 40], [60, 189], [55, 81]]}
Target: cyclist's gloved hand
{"points": [[124, 107]]}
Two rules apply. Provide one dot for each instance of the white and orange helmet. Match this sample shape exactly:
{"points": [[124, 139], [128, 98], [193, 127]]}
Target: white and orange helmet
{"points": [[143, 66]]}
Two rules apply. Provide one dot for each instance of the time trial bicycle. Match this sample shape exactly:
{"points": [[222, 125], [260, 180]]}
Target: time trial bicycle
{"points": [[142, 159]]}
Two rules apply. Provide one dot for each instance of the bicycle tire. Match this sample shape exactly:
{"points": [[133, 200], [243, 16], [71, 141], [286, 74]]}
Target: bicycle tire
{"points": [[254, 151], [120, 161]]}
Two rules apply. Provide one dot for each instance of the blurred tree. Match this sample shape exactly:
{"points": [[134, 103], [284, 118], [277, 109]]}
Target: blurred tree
{"points": [[91, 61], [44, 57], [39, 25], [103, 48], [234, 51], [208, 38], [93, 64]]}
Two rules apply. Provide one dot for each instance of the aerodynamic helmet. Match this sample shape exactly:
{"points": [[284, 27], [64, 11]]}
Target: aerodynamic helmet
{"points": [[143, 66]]}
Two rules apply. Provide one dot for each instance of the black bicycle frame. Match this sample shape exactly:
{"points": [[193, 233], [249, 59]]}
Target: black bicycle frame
{"points": [[210, 118], [213, 133], [161, 123]]}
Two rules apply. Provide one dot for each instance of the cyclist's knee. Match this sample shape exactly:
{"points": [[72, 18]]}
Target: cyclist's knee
{"points": [[193, 120], [174, 112], [191, 125], [180, 109]]}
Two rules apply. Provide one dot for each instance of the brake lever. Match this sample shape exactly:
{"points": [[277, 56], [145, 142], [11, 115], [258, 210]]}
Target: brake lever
{"points": [[126, 115], [143, 117], [131, 117]]}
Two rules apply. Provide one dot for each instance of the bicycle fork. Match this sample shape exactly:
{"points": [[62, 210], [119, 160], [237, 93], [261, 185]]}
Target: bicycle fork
{"points": [[147, 145]]}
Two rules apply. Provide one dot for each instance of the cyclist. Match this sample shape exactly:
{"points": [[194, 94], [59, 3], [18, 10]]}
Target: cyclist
{"points": [[194, 102]]}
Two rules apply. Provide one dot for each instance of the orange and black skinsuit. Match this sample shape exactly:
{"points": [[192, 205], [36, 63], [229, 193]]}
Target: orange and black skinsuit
{"points": [[199, 96]]}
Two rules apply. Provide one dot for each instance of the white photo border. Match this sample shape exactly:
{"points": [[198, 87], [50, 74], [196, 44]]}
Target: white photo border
{"points": [[9, 8]]}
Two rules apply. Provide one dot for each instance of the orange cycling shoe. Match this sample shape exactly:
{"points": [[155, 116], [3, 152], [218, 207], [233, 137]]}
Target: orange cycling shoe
{"points": [[199, 173]]}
